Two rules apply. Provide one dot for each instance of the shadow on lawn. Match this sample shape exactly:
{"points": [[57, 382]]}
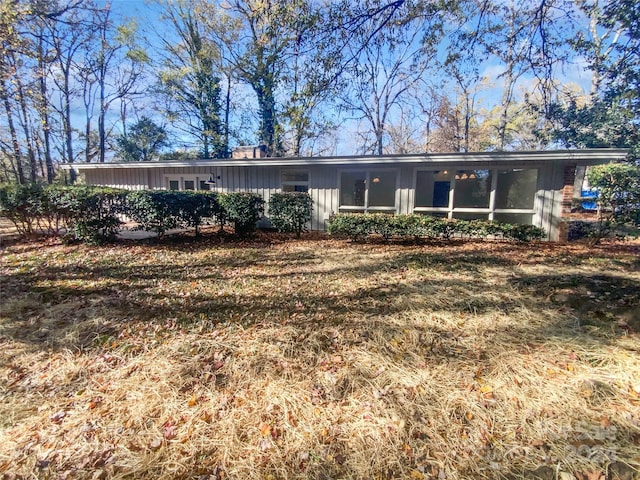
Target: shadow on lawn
{"points": [[607, 302], [113, 295], [99, 299]]}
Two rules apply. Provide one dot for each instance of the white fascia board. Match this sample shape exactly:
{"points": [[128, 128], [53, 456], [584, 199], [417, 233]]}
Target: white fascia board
{"points": [[580, 157]]}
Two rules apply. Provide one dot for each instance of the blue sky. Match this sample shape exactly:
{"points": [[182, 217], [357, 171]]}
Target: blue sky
{"points": [[147, 15]]}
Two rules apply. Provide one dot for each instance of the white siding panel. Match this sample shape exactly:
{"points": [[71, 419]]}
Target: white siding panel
{"points": [[405, 187], [323, 184]]}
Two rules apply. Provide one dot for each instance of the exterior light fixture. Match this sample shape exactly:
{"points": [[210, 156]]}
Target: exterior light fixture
{"points": [[376, 180], [212, 179]]}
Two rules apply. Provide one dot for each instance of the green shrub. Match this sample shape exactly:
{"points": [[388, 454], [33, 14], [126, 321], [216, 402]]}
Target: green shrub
{"points": [[196, 207], [351, 225], [358, 226], [155, 210], [56, 209], [409, 226], [290, 211], [92, 212], [442, 228], [89, 214], [618, 200], [20, 204], [522, 233], [384, 225], [243, 209]]}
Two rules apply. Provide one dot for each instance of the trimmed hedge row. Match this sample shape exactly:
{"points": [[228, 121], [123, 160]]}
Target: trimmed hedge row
{"points": [[92, 214], [359, 226], [88, 214], [161, 210], [290, 211]]}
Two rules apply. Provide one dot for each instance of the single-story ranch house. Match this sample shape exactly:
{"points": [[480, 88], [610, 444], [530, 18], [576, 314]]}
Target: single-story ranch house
{"points": [[533, 187]]}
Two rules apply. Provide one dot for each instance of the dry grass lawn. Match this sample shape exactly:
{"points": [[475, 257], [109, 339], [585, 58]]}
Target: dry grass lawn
{"points": [[319, 359]]}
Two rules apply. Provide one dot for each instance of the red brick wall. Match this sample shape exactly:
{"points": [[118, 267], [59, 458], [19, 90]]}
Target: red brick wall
{"points": [[567, 200], [567, 189]]}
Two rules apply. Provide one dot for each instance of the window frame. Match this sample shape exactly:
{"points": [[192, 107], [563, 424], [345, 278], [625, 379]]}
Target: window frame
{"points": [[294, 183], [489, 211], [369, 174], [195, 178]]}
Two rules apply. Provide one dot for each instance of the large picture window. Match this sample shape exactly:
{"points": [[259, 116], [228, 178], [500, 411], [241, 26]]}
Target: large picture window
{"points": [[432, 188], [516, 189], [368, 191], [382, 189], [472, 189], [506, 195]]}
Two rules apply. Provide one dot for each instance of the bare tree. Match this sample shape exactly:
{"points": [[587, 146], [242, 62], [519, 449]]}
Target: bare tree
{"points": [[113, 70], [391, 61]]}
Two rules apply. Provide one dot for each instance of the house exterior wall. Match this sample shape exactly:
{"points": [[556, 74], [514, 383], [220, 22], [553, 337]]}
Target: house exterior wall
{"points": [[324, 185], [552, 193]]}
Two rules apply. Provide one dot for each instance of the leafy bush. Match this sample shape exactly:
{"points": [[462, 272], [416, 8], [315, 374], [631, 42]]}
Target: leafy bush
{"points": [[57, 210], [358, 226], [88, 214], [20, 204], [522, 233], [618, 199], [349, 225], [290, 211], [92, 212], [243, 209], [579, 229], [155, 210], [195, 207]]}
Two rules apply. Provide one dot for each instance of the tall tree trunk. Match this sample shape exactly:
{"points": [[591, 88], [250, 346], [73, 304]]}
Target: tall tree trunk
{"points": [[505, 103], [87, 135], [66, 125], [101, 121], [268, 121], [44, 107], [14, 134], [33, 164], [227, 109]]}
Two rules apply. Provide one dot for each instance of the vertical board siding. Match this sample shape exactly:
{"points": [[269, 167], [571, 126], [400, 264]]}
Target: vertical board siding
{"points": [[323, 186], [405, 186], [323, 183]]}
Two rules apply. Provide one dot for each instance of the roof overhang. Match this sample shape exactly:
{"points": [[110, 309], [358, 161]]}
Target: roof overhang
{"points": [[577, 157]]}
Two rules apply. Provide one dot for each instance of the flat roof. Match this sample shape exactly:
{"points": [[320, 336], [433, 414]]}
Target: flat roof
{"points": [[582, 157]]}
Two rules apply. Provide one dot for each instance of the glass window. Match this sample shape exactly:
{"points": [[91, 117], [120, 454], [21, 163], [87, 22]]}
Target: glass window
{"points": [[174, 185], [432, 189], [382, 189], [295, 177], [352, 188], [189, 184], [293, 181], [516, 188], [204, 185], [518, 218], [434, 214], [470, 216], [295, 188], [472, 189]]}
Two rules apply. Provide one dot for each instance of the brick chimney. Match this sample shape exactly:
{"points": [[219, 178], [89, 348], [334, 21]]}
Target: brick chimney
{"points": [[257, 151]]}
